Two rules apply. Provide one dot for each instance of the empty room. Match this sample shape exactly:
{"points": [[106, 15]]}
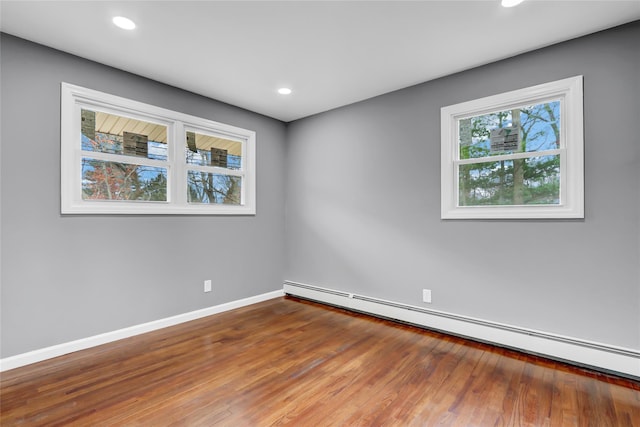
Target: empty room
{"points": [[320, 213]]}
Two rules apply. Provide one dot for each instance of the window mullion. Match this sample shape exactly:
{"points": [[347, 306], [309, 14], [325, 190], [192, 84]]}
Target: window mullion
{"points": [[178, 183]]}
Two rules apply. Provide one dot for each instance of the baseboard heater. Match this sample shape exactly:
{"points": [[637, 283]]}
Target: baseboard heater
{"points": [[601, 357]]}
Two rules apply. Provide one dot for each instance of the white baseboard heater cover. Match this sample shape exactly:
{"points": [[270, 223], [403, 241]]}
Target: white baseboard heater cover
{"points": [[603, 357]]}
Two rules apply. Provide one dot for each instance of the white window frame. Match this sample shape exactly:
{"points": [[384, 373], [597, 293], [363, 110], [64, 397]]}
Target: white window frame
{"points": [[75, 98], [571, 150]]}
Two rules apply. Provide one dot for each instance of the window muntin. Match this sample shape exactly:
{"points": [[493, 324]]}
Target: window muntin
{"points": [[515, 155], [122, 156]]}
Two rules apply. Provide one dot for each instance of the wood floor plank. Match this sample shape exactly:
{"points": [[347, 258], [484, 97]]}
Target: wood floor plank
{"points": [[290, 362]]}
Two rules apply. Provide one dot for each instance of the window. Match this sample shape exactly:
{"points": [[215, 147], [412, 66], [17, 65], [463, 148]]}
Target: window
{"points": [[122, 156], [515, 155]]}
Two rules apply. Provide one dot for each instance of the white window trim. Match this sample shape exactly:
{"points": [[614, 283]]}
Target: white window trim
{"points": [[569, 92], [74, 98]]}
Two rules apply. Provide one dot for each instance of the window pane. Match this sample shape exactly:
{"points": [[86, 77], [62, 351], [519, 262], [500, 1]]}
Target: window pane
{"points": [[529, 128], [103, 180], [532, 181], [206, 150], [214, 188], [110, 133]]}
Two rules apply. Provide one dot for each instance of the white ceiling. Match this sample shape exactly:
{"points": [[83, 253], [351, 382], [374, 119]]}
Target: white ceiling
{"points": [[331, 53]]}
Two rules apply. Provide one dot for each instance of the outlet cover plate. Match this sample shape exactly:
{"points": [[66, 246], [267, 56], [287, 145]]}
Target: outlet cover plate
{"points": [[426, 295]]}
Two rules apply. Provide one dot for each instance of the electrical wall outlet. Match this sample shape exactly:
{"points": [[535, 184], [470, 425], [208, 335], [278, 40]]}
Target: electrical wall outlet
{"points": [[207, 285], [426, 295]]}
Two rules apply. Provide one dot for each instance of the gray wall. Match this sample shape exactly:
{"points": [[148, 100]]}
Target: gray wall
{"points": [[65, 278], [363, 203]]}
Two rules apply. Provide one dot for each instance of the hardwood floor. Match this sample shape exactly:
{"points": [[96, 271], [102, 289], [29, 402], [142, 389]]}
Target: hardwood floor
{"points": [[293, 362]]}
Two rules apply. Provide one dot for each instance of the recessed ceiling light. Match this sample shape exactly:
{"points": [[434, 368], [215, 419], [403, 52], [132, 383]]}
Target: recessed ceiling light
{"points": [[284, 91], [511, 3], [124, 23]]}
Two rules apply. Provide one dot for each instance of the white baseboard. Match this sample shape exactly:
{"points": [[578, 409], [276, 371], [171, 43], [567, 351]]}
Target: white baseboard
{"points": [[84, 343], [603, 357]]}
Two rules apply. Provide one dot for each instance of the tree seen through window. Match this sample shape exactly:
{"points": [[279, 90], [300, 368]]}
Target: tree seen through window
{"points": [[518, 181]]}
